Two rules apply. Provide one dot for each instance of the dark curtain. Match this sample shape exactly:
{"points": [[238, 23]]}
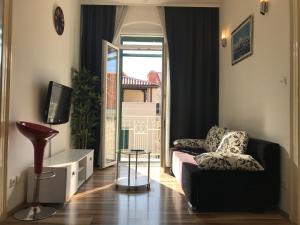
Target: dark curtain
{"points": [[193, 39], [97, 24]]}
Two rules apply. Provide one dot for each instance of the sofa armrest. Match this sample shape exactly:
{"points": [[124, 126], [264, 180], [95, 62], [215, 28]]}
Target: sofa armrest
{"points": [[191, 151], [268, 155]]}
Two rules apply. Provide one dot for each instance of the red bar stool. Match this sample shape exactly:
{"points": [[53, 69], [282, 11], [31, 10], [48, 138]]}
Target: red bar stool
{"points": [[39, 136]]}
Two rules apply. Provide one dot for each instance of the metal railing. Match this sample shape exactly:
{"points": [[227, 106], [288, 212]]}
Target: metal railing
{"points": [[141, 132]]}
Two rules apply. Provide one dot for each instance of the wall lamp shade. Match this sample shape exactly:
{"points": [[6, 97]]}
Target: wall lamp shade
{"points": [[264, 6], [223, 41]]}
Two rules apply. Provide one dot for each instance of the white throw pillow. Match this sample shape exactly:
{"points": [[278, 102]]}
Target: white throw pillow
{"points": [[227, 161], [234, 142]]}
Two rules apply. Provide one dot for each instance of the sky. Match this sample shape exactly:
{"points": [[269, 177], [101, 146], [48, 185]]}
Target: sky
{"points": [[139, 67]]}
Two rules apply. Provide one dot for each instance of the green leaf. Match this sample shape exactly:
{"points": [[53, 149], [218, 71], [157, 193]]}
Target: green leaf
{"points": [[86, 113]]}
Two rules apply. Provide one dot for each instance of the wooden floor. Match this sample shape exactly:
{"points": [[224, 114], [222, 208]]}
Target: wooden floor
{"points": [[97, 202]]}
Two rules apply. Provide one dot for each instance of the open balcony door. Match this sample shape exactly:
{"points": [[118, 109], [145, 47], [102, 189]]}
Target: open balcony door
{"points": [[110, 82]]}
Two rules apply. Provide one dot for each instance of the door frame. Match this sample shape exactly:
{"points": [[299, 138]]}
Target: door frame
{"points": [[294, 197], [165, 117], [4, 103]]}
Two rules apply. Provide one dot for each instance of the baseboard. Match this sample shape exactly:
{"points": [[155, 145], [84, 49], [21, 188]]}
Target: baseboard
{"points": [[191, 207], [167, 170], [284, 214], [16, 208]]}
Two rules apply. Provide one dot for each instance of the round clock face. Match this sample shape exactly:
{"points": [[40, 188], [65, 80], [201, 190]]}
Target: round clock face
{"points": [[59, 21]]}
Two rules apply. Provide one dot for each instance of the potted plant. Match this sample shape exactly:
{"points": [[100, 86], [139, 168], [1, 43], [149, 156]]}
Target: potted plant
{"points": [[85, 117]]}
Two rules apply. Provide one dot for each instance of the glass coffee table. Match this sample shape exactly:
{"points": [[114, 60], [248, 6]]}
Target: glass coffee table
{"points": [[133, 170]]}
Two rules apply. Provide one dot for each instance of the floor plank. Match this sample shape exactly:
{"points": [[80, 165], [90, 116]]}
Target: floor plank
{"points": [[97, 202]]}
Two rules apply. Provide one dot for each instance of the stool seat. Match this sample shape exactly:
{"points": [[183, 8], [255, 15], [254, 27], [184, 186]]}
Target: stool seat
{"points": [[35, 131]]}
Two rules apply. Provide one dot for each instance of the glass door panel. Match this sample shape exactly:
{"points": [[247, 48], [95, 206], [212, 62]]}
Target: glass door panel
{"points": [[110, 103]]}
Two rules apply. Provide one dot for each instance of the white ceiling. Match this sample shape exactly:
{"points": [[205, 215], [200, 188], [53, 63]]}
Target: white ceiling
{"points": [[191, 3]]}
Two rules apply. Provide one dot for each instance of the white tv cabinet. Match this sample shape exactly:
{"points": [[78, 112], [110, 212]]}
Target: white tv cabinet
{"points": [[72, 168]]}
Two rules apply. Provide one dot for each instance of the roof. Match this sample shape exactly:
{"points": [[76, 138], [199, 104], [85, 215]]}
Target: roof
{"points": [[134, 83], [153, 77]]}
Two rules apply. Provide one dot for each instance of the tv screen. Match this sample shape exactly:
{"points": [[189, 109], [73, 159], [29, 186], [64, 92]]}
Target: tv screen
{"points": [[58, 104]]}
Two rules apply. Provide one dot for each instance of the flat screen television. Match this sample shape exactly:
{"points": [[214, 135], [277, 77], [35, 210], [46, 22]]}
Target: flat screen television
{"points": [[58, 103]]}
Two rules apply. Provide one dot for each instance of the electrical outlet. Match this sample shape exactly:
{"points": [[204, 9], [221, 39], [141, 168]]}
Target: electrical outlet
{"points": [[12, 182]]}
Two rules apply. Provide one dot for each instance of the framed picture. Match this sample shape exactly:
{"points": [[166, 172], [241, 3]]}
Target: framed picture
{"points": [[242, 41]]}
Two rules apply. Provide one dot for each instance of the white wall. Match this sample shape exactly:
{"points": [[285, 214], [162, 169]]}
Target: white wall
{"points": [[253, 94], [38, 56]]}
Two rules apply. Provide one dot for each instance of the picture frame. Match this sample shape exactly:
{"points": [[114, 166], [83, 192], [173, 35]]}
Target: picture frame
{"points": [[242, 41]]}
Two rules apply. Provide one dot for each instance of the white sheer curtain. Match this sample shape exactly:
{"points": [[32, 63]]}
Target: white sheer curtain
{"points": [[166, 90], [121, 13]]}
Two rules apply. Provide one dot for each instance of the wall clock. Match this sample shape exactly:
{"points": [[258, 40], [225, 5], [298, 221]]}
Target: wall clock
{"points": [[59, 21]]}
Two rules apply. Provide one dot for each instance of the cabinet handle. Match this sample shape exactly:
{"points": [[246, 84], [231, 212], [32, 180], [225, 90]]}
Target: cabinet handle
{"points": [[91, 158], [73, 173]]}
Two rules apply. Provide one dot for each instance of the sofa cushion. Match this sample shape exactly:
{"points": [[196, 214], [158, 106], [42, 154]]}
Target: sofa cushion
{"points": [[189, 143], [234, 142], [227, 161], [213, 138]]}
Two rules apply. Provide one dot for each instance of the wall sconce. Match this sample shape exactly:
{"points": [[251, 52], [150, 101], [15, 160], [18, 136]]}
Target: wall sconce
{"points": [[223, 40], [264, 6]]}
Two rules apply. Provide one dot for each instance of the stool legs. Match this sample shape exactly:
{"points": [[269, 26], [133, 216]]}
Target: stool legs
{"points": [[35, 211]]}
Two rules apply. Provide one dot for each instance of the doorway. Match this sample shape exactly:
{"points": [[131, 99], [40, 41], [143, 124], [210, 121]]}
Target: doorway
{"points": [[141, 67]]}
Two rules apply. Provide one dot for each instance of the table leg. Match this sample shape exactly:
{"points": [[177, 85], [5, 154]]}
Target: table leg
{"points": [[128, 171], [117, 172], [136, 158], [149, 169]]}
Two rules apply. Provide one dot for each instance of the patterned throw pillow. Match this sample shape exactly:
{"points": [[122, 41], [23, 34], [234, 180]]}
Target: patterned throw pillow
{"points": [[227, 161], [234, 142], [213, 138], [189, 143]]}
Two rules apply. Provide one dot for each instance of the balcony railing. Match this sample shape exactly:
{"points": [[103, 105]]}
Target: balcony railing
{"points": [[141, 132]]}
